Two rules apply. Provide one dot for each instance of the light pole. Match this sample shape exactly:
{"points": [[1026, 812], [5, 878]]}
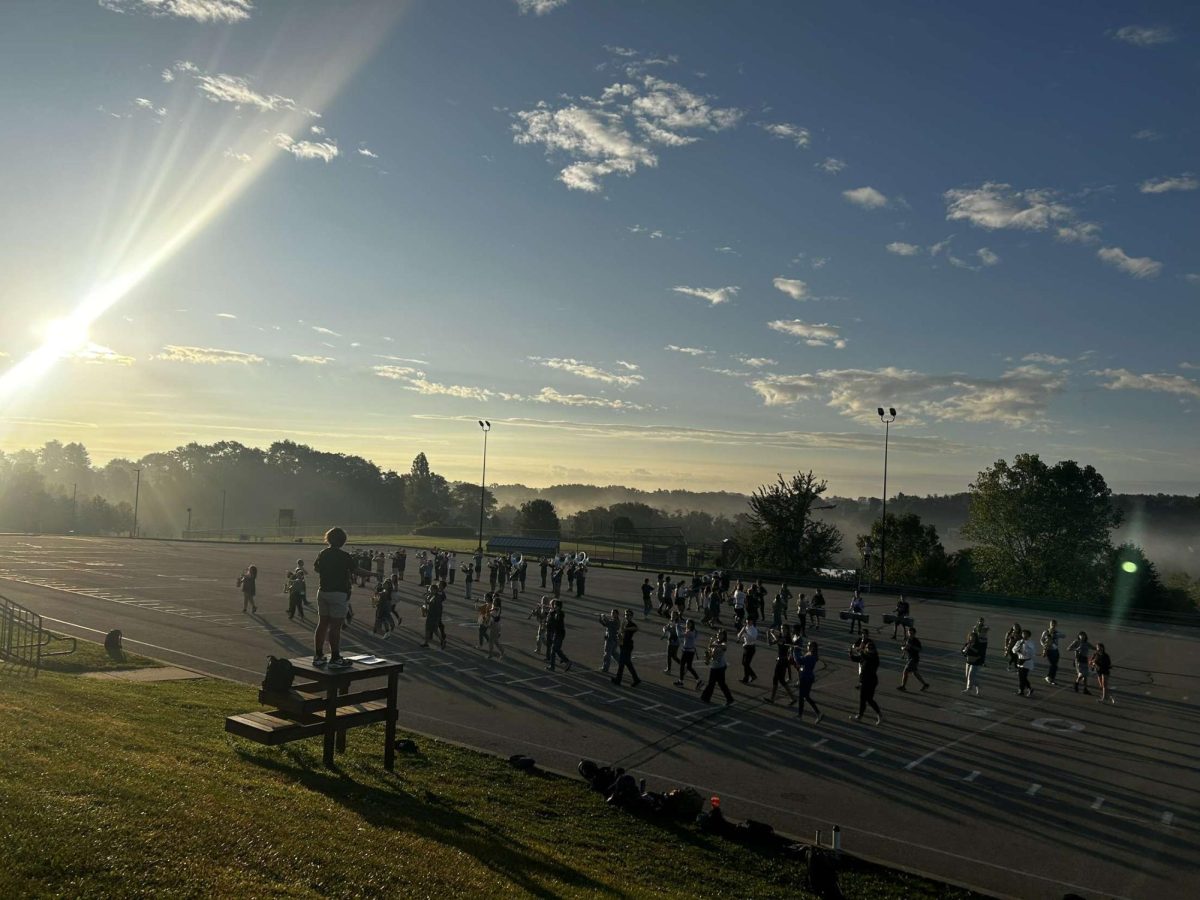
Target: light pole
{"points": [[485, 426], [137, 492], [887, 421], [189, 528]]}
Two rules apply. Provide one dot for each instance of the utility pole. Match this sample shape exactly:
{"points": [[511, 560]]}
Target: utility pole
{"points": [[485, 426], [74, 494], [887, 421], [189, 528], [137, 492]]}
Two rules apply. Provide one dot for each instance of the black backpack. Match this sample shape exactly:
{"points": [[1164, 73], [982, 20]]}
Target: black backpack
{"points": [[280, 675]]}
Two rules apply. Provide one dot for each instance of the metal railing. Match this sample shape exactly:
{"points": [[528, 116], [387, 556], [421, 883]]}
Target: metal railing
{"points": [[23, 640]]}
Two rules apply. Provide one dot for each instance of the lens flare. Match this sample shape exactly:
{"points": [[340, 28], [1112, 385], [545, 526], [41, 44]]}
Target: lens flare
{"points": [[186, 180]]}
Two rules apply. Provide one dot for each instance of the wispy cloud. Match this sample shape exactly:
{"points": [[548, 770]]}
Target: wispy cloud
{"points": [[628, 366], [794, 133], [987, 257], [900, 248], [1137, 266], [1145, 35], [1045, 358], [363, 150], [403, 359], [688, 351], [831, 164], [433, 388], [620, 132], [320, 329], [415, 380], [994, 205], [1185, 182], [793, 287], [206, 355], [822, 335], [226, 316], [714, 296], [313, 360], [158, 112], [1123, 379], [652, 233], [539, 7], [1019, 397], [866, 197], [230, 153], [757, 362], [589, 371], [199, 10], [1147, 134], [322, 150], [397, 373], [550, 395], [97, 353], [235, 90]]}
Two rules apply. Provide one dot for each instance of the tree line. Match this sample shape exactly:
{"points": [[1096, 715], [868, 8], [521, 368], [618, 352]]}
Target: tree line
{"points": [[1028, 528], [1034, 530]]}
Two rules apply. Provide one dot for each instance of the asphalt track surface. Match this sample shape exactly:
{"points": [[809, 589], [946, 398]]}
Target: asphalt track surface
{"points": [[1019, 797]]}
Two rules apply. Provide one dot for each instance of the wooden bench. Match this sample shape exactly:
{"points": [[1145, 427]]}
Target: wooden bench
{"points": [[325, 707]]}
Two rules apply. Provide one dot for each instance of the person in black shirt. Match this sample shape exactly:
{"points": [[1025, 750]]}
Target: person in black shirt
{"points": [[556, 632], [247, 582], [902, 608], [782, 639], [912, 660], [867, 656], [336, 568], [647, 593], [628, 630]]}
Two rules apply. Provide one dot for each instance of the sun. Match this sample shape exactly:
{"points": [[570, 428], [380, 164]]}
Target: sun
{"points": [[65, 335]]}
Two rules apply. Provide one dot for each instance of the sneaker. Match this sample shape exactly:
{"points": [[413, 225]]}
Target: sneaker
{"points": [[925, 687], [820, 716], [976, 690], [567, 667], [901, 687], [856, 718], [1047, 680], [319, 661], [635, 683], [965, 690], [700, 684], [340, 662], [729, 702], [879, 720], [677, 683]]}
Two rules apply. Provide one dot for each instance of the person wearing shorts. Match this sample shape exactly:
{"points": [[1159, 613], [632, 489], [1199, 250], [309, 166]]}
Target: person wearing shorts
{"points": [[336, 568]]}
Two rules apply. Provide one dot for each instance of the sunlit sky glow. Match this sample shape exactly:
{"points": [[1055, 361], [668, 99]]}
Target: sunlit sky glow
{"points": [[678, 244]]}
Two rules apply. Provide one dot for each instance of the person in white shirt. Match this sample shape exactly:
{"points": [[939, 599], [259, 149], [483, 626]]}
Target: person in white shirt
{"points": [[1024, 652], [749, 638], [739, 605]]}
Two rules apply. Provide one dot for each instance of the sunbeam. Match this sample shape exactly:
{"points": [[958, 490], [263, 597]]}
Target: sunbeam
{"points": [[187, 181]]}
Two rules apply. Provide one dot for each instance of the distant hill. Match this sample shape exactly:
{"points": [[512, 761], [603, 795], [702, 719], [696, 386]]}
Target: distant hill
{"points": [[572, 498]]}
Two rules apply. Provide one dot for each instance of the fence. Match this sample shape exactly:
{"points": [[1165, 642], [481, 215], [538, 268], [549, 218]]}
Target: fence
{"points": [[23, 640]]}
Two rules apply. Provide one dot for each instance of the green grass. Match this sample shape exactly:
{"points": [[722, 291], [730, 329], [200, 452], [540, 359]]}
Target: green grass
{"points": [[115, 789]]}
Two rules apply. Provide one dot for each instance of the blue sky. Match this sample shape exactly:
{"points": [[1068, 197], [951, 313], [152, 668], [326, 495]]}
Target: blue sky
{"points": [[662, 244]]}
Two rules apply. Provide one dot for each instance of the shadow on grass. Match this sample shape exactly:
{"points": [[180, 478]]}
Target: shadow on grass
{"points": [[432, 817]]}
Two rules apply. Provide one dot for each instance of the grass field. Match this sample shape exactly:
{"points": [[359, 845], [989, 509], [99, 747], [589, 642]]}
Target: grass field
{"points": [[114, 789]]}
